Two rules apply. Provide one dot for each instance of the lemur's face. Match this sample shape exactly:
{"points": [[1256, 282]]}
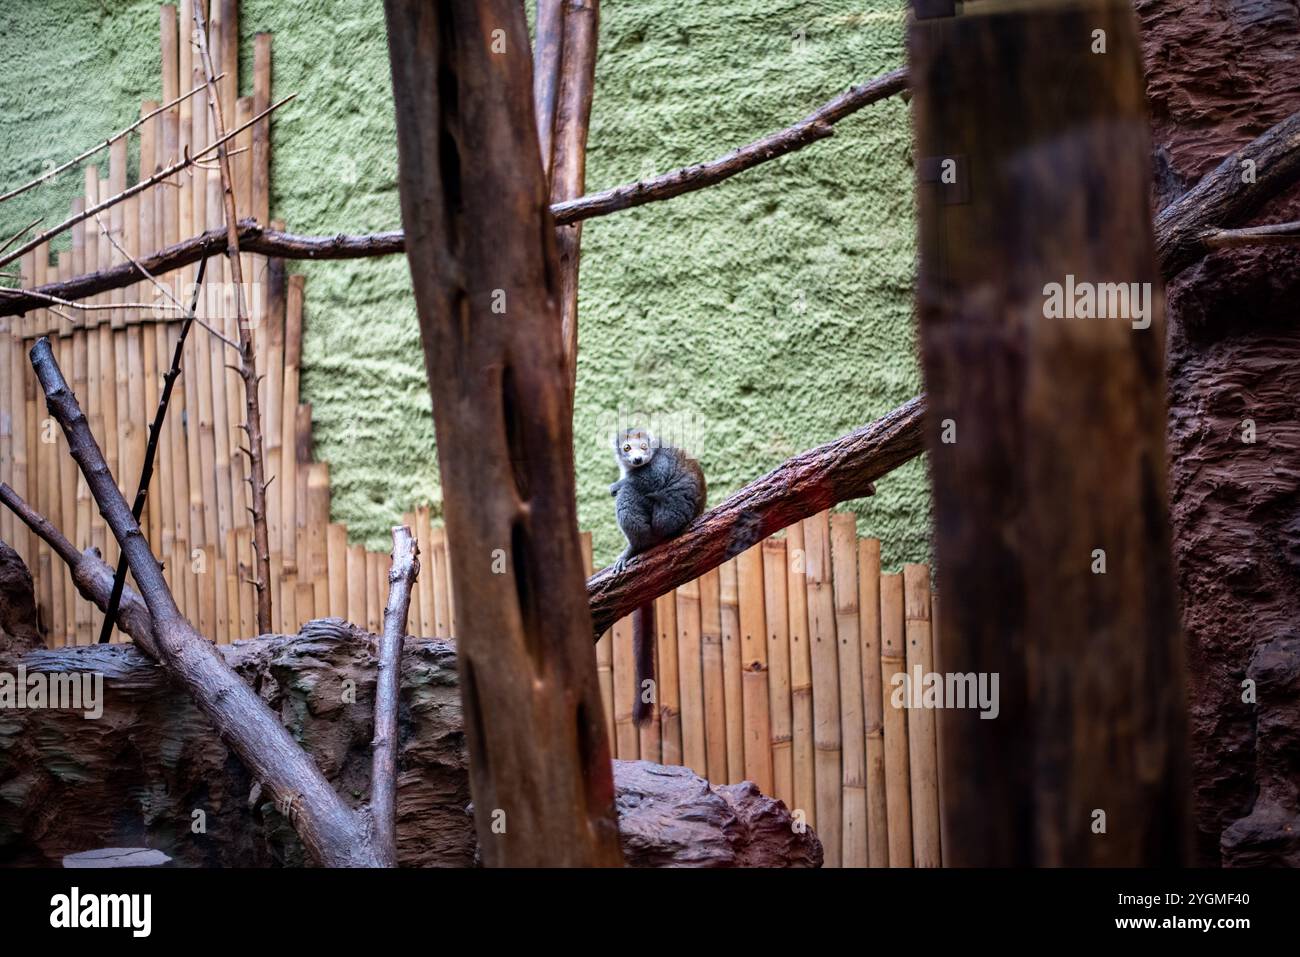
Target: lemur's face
{"points": [[634, 447]]}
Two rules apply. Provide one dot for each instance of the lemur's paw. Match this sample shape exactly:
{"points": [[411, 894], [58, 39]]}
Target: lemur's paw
{"points": [[619, 564]]}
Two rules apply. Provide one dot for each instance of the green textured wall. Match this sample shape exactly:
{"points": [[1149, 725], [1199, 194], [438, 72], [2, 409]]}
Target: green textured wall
{"points": [[760, 317]]}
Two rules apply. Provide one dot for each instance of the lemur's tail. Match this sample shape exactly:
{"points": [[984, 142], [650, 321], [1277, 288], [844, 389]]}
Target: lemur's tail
{"points": [[643, 650]]}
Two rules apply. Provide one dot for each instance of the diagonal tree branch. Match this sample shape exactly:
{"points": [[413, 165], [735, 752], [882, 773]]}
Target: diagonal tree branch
{"points": [[804, 485], [383, 774], [91, 575], [816, 126], [1274, 234], [1227, 195], [332, 832]]}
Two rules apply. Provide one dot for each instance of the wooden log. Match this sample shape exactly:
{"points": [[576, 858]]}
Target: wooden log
{"points": [[853, 752], [826, 686], [1061, 459], [921, 749], [690, 677], [801, 687], [897, 775], [873, 700], [732, 669], [154, 750], [711, 670]]}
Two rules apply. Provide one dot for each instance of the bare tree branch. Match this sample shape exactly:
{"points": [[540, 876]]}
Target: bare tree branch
{"points": [[801, 486], [247, 362], [1228, 194], [816, 126], [383, 754], [548, 56], [1274, 234], [332, 832], [47, 176], [91, 575]]}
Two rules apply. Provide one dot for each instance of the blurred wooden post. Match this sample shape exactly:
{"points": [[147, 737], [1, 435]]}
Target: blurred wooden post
{"points": [[474, 207], [1047, 436]]}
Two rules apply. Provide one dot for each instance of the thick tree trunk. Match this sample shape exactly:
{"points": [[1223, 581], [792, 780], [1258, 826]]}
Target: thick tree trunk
{"points": [[481, 246], [1046, 440]]}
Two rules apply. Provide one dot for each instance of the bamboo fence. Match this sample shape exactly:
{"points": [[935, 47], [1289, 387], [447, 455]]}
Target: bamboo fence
{"points": [[774, 668]]}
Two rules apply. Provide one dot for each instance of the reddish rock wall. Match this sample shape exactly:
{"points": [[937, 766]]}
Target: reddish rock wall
{"points": [[1218, 74]]}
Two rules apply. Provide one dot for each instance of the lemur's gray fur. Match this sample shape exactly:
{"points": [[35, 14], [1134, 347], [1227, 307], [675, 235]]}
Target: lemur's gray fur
{"points": [[661, 490]]}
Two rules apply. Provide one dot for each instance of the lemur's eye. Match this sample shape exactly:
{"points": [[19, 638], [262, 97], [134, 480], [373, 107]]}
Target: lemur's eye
{"points": [[627, 448]]}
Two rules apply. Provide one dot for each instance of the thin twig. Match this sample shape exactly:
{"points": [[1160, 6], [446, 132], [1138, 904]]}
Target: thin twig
{"points": [[383, 748], [139, 187], [247, 362], [95, 149], [151, 449], [20, 234], [1274, 234]]}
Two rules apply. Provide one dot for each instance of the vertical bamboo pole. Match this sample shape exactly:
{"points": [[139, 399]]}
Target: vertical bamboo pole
{"points": [[68, 474], [801, 687], [374, 596], [93, 399], [357, 586], [225, 573], [732, 669], [939, 732], [605, 668], [869, 629], [776, 612], [318, 519], [224, 381], [247, 574], [149, 330], [715, 695], [626, 739], [690, 678], [337, 549], [651, 733], [922, 755], [46, 430], [288, 480], [853, 752], [424, 583], [438, 572], [82, 610], [754, 691], [667, 680], [826, 685], [897, 775]]}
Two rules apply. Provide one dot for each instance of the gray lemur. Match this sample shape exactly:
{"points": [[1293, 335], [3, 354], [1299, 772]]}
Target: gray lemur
{"points": [[661, 491]]}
